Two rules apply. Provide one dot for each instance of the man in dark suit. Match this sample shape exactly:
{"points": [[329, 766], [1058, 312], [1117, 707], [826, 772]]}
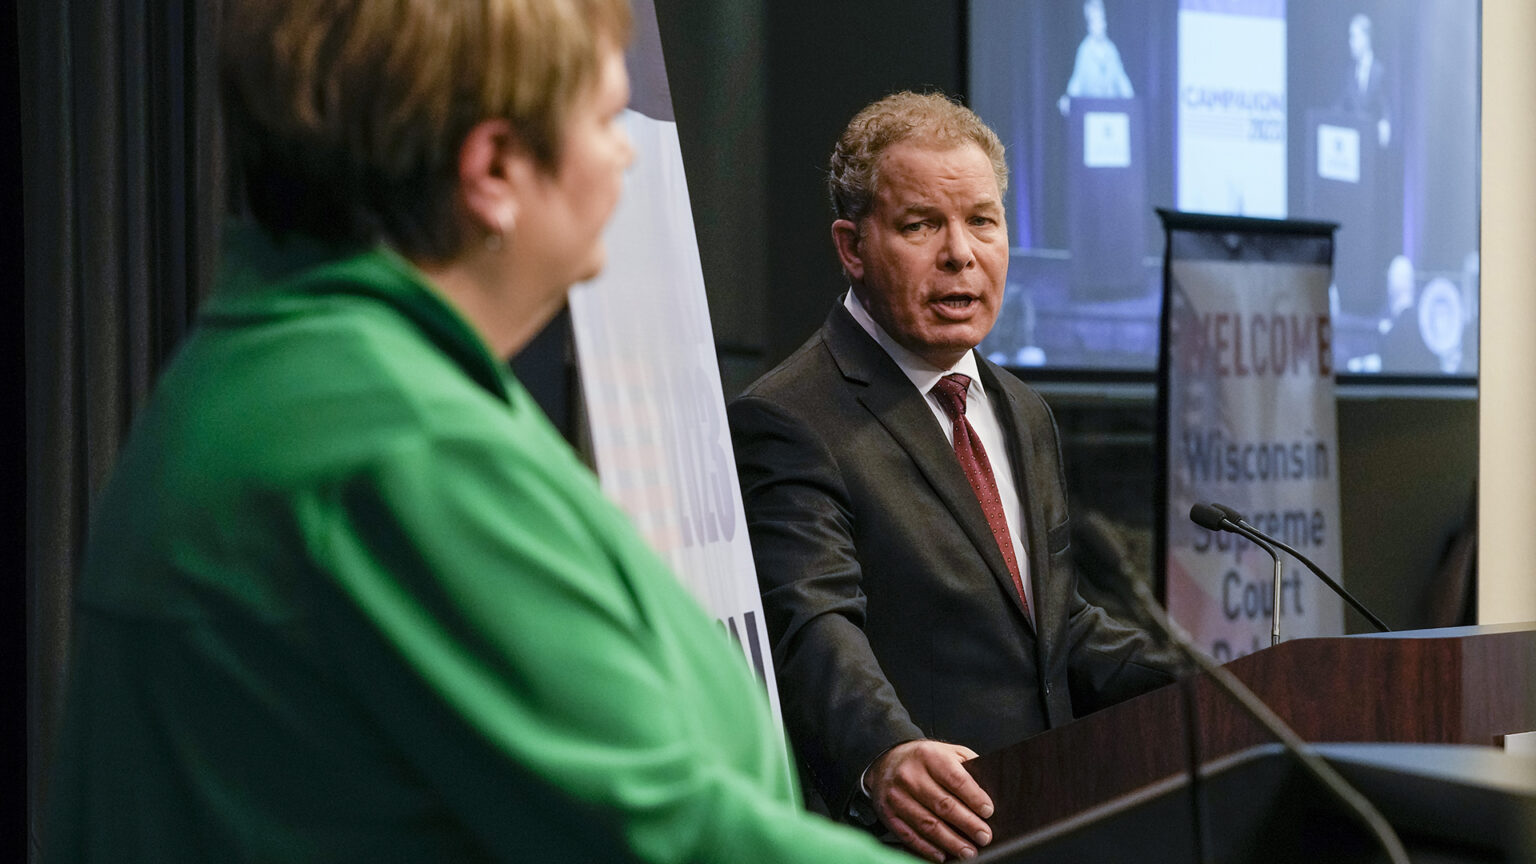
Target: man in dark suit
{"points": [[1365, 93], [910, 527]]}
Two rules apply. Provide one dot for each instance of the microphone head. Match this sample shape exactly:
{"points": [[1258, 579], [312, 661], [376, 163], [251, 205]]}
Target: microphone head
{"points": [[1231, 514], [1208, 516]]}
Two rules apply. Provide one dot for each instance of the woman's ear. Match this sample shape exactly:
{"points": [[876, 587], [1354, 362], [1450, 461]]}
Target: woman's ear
{"points": [[493, 168]]}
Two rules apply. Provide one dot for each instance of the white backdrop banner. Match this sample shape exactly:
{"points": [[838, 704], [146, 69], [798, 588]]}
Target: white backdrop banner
{"points": [[1248, 421], [1232, 107], [650, 379]]}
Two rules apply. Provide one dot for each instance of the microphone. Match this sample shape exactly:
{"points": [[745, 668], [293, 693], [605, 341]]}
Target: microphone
{"points": [[1214, 517], [1166, 631], [1361, 807], [1207, 516], [1235, 518]]}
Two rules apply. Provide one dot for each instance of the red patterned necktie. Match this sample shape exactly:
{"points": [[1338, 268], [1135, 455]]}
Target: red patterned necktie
{"points": [[951, 391]]}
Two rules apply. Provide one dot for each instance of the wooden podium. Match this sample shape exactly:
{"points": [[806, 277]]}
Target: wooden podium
{"points": [[1468, 685]]}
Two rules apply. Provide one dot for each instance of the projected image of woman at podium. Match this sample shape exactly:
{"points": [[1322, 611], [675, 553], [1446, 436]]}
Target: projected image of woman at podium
{"points": [[1097, 73]]}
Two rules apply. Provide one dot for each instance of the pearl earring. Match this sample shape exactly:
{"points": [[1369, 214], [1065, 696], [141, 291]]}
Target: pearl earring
{"points": [[493, 239]]}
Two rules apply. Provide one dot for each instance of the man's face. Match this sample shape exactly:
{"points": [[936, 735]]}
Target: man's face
{"points": [[930, 259]]}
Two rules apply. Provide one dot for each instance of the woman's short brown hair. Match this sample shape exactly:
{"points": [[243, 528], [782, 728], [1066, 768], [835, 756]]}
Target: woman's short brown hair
{"points": [[925, 118], [345, 117]]}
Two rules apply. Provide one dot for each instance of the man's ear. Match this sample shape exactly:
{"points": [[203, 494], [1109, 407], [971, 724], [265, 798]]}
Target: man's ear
{"points": [[845, 236], [494, 168]]}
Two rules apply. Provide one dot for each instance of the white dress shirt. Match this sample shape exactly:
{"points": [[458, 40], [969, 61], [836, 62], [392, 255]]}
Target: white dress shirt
{"points": [[978, 410]]}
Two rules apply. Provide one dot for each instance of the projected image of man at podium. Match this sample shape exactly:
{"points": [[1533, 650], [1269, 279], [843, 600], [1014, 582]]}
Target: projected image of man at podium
{"points": [[1364, 191], [1365, 93]]}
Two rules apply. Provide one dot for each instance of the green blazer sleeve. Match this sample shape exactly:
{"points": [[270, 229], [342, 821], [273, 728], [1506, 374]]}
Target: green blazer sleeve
{"points": [[568, 697], [838, 703]]}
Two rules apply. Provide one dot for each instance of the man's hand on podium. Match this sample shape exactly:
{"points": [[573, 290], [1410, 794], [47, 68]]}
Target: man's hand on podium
{"points": [[921, 792]]}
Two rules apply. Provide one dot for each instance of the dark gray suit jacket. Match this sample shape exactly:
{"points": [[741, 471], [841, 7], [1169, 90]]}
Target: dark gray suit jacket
{"points": [[892, 614], [1372, 103]]}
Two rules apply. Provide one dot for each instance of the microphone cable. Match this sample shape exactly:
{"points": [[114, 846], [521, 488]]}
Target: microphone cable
{"points": [[1312, 763], [1188, 704]]}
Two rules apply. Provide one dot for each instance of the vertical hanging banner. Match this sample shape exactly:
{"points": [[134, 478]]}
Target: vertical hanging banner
{"points": [[650, 377], [1247, 419]]}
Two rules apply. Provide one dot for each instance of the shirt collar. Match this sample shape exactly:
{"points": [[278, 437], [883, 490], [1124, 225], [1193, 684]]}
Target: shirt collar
{"points": [[920, 372]]}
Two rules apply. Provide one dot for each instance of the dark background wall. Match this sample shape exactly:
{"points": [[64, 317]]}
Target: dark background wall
{"points": [[761, 90]]}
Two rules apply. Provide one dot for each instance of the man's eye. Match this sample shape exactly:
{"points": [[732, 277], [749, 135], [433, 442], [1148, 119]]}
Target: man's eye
{"points": [[913, 227]]}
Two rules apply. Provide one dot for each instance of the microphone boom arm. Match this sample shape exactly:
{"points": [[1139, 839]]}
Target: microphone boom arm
{"points": [[1237, 519]]}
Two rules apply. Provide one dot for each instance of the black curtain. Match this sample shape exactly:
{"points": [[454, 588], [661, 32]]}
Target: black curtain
{"points": [[123, 194]]}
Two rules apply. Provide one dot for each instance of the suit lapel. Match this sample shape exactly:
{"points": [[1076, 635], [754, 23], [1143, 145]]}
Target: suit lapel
{"points": [[889, 396]]}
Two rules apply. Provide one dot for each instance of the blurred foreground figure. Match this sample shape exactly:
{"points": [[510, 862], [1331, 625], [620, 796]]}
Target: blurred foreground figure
{"points": [[349, 596]]}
